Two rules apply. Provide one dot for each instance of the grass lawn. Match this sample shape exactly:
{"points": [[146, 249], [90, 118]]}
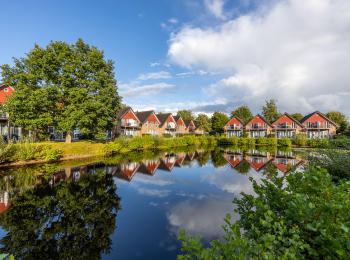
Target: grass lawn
{"points": [[80, 148]]}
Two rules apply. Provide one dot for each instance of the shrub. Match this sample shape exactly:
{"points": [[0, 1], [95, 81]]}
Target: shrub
{"points": [[317, 142], [300, 140], [284, 142], [51, 155], [246, 141], [26, 150], [266, 141], [7, 150]]}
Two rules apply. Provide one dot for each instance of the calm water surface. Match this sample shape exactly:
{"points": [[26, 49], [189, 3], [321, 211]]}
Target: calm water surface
{"points": [[126, 208]]}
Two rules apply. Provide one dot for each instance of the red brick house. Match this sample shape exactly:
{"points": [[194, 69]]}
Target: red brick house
{"points": [[149, 167], [233, 158], [234, 127], [258, 127], [318, 125], [180, 125], [167, 124], [286, 126], [149, 122], [127, 123], [5, 124]]}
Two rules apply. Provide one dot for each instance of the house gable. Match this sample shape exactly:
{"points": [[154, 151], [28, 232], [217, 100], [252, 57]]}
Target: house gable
{"points": [[234, 121], [152, 118], [258, 120], [286, 119], [317, 118], [5, 93]]}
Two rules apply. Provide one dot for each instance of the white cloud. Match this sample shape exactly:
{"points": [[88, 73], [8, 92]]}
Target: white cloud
{"points": [[296, 51], [155, 75], [135, 89], [173, 20], [216, 7]]}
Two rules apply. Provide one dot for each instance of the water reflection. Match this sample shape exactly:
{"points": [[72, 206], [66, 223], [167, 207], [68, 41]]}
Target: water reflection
{"points": [[43, 208]]}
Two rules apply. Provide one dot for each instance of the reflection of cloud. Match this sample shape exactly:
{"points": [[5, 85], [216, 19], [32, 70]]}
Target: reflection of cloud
{"points": [[153, 192], [159, 180], [200, 217], [230, 181]]}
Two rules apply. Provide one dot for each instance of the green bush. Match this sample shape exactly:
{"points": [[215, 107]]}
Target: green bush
{"points": [[317, 142], [266, 141], [284, 142], [300, 140], [27, 150], [246, 141], [7, 150], [50, 154], [303, 215]]}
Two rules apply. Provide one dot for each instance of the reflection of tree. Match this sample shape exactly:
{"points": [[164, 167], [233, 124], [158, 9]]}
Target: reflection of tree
{"points": [[243, 167], [203, 158], [218, 159], [69, 221]]}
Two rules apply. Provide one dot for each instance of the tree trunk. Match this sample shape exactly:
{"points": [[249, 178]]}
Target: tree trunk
{"points": [[69, 137]]}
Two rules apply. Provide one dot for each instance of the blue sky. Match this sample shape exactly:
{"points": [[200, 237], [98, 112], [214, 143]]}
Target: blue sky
{"points": [[206, 55]]}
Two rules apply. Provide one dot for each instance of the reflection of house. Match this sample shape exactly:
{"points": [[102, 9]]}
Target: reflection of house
{"points": [[233, 158], [257, 160], [191, 127], [258, 127], [286, 126], [167, 124], [149, 166], [234, 127], [190, 156], [127, 170], [168, 162], [180, 159], [286, 164], [4, 202], [318, 125]]}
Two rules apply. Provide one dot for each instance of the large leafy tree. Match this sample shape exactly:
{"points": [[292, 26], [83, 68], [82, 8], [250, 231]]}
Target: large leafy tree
{"points": [[65, 85], [185, 114], [270, 111], [340, 119], [203, 121], [243, 113], [218, 121], [72, 220], [297, 116]]}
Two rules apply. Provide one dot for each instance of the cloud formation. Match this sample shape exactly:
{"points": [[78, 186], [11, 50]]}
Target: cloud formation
{"points": [[295, 51], [136, 89], [155, 75], [216, 8]]}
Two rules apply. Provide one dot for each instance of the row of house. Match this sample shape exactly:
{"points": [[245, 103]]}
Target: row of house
{"points": [[131, 123], [314, 125]]}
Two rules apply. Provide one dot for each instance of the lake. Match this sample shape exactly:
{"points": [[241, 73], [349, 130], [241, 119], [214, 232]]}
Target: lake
{"points": [[127, 207]]}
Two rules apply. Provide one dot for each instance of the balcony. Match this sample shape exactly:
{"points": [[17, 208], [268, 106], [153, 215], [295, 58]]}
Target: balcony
{"points": [[284, 126], [171, 126], [258, 127], [129, 124], [234, 127], [3, 116]]}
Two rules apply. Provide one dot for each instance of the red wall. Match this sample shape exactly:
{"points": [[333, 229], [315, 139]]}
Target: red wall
{"points": [[152, 119], [130, 115], [180, 122], [257, 120], [170, 119], [315, 118], [4, 95], [283, 119], [234, 121]]}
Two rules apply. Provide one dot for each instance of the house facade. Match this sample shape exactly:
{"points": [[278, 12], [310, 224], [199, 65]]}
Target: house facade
{"points": [[7, 130], [180, 125], [127, 123], [149, 122], [317, 125], [234, 127], [286, 126], [258, 127], [167, 124]]}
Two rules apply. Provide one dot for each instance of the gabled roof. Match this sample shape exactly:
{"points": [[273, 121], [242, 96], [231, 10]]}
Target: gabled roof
{"points": [[292, 118], [187, 122], [163, 117], [263, 118], [321, 114], [124, 110], [143, 115], [235, 117]]}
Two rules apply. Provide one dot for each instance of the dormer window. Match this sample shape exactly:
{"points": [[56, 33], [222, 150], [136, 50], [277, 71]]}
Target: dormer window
{"points": [[6, 90]]}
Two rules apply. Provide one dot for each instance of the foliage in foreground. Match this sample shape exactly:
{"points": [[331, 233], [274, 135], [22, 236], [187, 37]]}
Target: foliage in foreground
{"points": [[299, 216]]}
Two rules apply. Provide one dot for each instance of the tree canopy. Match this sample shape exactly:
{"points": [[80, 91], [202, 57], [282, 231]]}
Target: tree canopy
{"points": [[243, 113], [297, 116], [203, 121], [218, 121], [185, 114], [340, 119], [65, 85], [270, 111]]}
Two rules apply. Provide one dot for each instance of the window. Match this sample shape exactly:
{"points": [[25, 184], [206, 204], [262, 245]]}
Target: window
{"points": [[6, 90]]}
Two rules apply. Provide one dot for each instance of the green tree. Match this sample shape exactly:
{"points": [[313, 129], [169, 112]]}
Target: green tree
{"points": [[243, 113], [73, 220], [185, 114], [203, 121], [303, 215], [65, 85], [297, 116], [218, 121], [270, 111], [340, 119]]}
